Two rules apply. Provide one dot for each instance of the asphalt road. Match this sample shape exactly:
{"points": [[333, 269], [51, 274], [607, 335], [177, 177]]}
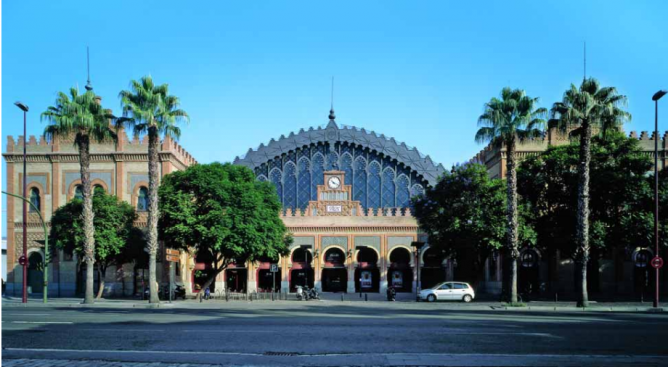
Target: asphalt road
{"points": [[330, 333]]}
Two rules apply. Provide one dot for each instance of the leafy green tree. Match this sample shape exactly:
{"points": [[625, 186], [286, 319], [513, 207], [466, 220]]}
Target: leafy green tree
{"points": [[222, 211], [466, 211], [113, 225], [149, 109], [83, 117], [506, 122], [582, 110], [621, 209]]}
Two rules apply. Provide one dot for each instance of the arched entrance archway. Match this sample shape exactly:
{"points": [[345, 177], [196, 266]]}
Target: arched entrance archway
{"points": [[400, 273], [236, 276], [334, 272], [301, 272], [433, 270], [367, 274], [266, 280], [35, 273]]}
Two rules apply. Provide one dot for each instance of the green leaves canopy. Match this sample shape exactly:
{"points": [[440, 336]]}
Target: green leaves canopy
{"points": [[149, 106], [113, 225], [514, 116], [466, 209], [223, 210], [78, 114], [621, 194]]}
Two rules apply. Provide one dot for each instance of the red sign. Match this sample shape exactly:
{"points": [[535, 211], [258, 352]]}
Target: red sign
{"points": [[172, 258], [22, 260], [657, 262]]}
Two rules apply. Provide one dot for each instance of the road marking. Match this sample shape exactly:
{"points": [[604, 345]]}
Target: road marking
{"points": [[42, 322], [25, 314], [229, 331], [132, 330], [545, 335]]}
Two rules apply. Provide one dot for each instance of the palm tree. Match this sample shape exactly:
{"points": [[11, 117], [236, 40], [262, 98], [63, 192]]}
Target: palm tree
{"points": [[82, 116], [582, 110], [149, 109], [507, 121]]}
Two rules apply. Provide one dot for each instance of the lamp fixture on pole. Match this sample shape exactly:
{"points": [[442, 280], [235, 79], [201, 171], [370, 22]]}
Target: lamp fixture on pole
{"points": [[657, 255], [24, 259], [418, 245]]}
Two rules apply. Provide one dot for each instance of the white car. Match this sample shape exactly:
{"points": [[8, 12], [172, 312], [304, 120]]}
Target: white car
{"points": [[448, 291]]}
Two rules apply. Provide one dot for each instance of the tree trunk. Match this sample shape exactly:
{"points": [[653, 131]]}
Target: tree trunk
{"points": [[89, 229], [212, 278], [511, 229], [153, 178], [582, 228], [101, 272]]}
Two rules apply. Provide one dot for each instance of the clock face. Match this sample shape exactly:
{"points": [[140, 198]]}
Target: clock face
{"points": [[334, 182]]}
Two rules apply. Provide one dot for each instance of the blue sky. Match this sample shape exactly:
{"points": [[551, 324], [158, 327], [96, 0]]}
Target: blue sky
{"points": [[247, 72]]}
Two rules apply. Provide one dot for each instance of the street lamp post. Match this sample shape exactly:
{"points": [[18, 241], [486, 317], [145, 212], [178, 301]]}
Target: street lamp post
{"points": [[418, 245], [47, 256], [306, 263], [656, 98], [24, 108]]}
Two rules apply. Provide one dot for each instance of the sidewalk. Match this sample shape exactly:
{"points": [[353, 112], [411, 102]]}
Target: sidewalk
{"points": [[405, 300]]}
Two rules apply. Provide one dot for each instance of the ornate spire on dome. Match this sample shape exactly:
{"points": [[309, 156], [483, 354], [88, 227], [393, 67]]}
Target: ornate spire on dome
{"points": [[332, 116]]}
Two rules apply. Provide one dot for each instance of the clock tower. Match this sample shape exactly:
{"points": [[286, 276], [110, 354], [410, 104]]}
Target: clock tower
{"points": [[335, 198]]}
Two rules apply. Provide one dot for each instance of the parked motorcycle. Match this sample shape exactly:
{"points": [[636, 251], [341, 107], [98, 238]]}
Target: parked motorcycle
{"points": [[305, 293], [391, 293], [302, 294], [313, 294]]}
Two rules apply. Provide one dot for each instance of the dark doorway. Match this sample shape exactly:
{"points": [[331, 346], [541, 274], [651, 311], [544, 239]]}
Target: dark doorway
{"points": [[528, 280], [266, 280], [400, 273], [334, 274], [35, 273], [236, 280], [334, 280], [301, 277], [432, 269], [367, 280]]}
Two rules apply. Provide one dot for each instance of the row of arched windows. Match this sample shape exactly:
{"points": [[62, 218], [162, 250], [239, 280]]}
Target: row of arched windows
{"points": [[377, 181], [142, 196], [36, 200]]}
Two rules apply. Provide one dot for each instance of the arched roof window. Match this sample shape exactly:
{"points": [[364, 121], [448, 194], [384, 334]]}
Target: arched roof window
{"points": [[142, 199], [35, 200]]}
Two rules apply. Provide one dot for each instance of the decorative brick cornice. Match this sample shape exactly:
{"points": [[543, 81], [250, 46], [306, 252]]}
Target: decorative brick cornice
{"points": [[353, 229], [14, 157]]}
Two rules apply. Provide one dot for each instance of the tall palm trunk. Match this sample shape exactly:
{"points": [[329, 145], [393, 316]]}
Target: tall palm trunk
{"points": [[511, 228], [153, 177], [582, 228], [101, 273], [89, 229]]}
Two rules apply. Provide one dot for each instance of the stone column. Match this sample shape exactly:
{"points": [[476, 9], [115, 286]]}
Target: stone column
{"points": [[251, 279], [383, 264]]}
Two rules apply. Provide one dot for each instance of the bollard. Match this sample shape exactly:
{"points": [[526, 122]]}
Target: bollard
{"points": [[365, 297], [556, 298], [200, 296], [341, 297]]}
